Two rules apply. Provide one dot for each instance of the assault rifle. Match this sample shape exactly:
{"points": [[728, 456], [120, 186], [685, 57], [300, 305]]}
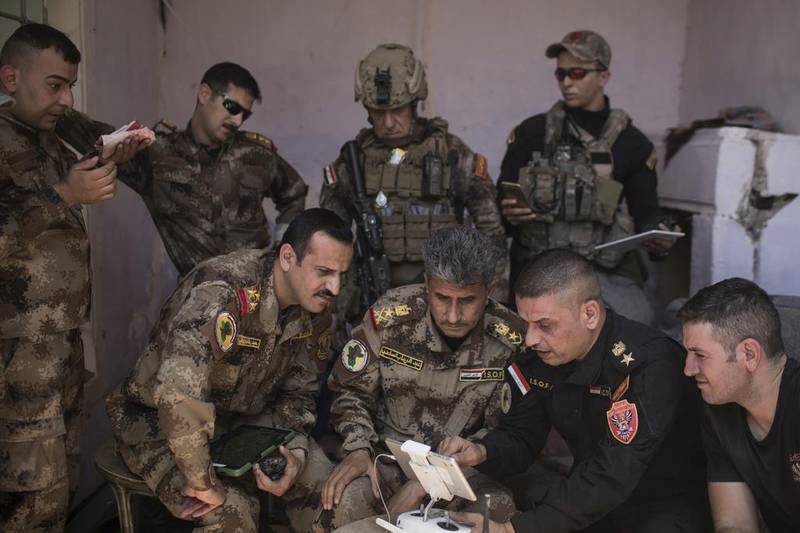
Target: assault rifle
{"points": [[373, 272]]}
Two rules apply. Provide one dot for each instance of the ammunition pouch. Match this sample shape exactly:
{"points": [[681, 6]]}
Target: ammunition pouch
{"points": [[419, 195], [573, 190], [404, 235]]}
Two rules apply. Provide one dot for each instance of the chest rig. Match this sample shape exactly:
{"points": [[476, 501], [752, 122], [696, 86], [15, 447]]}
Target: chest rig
{"points": [[416, 189], [572, 190]]}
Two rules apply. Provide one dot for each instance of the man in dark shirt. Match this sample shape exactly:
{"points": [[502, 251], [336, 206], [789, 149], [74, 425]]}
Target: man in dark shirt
{"points": [[607, 160], [613, 389], [751, 423]]}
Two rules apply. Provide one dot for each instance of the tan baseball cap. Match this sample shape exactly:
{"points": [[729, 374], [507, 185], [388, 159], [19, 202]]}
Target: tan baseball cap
{"points": [[586, 45]]}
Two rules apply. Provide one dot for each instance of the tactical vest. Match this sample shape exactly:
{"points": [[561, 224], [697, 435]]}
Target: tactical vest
{"points": [[571, 188], [413, 190]]}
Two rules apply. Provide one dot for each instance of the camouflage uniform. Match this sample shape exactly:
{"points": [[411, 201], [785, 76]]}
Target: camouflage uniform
{"points": [[44, 300], [222, 355], [209, 202], [397, 378], [409, 214]]}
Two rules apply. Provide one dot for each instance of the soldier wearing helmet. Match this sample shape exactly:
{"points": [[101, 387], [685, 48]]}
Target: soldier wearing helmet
{"points": [[589, 176], [418, 176]]}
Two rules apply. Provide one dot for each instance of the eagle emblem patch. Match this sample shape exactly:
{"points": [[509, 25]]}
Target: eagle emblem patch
{"points": [[623, 421]]}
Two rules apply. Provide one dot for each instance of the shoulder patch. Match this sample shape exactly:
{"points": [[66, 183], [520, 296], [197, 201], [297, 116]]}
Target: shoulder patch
{"points": [[257, 138], [623, 421], [482, 169], [401, 359], [165, 124], [481, 374], [652, 161], [398, 306], [503, 331], [519, 379], [505, 398], [329, 174], [249, 298], [225, 330], [355, 356]]}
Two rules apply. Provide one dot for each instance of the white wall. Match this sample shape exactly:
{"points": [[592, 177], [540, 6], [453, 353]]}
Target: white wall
{"points": [[741, 52]]}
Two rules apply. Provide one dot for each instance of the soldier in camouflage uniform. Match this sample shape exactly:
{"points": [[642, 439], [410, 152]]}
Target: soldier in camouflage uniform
{"points": [[44, 275], [588, 175], [419, 176], [426, 362], [204, 186], [236, 344]]}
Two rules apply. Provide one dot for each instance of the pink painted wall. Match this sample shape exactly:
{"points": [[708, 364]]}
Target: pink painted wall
{"points": [[486, 64], [740, 52]]}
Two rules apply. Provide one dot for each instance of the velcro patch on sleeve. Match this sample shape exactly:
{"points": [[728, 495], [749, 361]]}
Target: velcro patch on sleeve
{"points": [[225, 331], [623, 421], [481, 374], [329, 174], [519, 379], [401, 359], [355, 356], [482, 168]]}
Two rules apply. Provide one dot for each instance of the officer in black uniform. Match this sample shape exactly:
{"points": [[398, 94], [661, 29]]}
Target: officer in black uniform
{"points": [[605, 144], [614, 389]]}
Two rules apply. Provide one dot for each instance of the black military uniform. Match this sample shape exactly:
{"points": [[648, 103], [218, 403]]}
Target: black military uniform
{"points": [[634, 166], [629, 417], [771, 466]]}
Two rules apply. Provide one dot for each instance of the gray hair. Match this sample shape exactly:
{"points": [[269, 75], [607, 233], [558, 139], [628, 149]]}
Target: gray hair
{"points": [[462, 255]]}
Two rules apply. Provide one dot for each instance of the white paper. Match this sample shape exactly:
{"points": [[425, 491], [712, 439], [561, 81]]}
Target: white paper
{"points": [[629, 243]]}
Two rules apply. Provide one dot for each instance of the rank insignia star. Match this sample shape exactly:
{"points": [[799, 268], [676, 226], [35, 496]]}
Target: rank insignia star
{"points": [[383, 314], [627, 358], [514, 337], [618, 349], [249, 297]]}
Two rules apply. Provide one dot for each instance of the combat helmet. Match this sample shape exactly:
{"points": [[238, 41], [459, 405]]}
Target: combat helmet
{"points": [[389, 77]]}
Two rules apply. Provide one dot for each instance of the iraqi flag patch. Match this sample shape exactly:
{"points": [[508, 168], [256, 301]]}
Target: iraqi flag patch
{"points": [[519, 379]]}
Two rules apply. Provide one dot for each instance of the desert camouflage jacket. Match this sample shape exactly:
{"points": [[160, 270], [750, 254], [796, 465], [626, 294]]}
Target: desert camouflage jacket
{"points": [[398, 378], [209, 202], [44, 250], [222, 353]]}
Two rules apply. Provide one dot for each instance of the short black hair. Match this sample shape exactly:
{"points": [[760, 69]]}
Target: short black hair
{"points": [[736, 309], [38, 37], [557, 270], [309, 222], [219, 76]]}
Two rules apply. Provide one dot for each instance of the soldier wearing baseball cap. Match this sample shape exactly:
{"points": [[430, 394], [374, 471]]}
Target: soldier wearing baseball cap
{"points": [[584, 45], [588, 176]]}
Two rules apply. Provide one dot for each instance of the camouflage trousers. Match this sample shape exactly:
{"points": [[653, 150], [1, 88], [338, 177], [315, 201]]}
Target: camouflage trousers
{"points": [[358, 506], [41, 393], [240, 512]]}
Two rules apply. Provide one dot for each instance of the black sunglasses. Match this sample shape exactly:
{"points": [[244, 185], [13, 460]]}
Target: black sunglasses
{"points": [[575, 73], [234, 108]]}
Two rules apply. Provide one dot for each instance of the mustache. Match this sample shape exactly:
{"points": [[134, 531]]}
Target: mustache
{"points": [[325, 293]]}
